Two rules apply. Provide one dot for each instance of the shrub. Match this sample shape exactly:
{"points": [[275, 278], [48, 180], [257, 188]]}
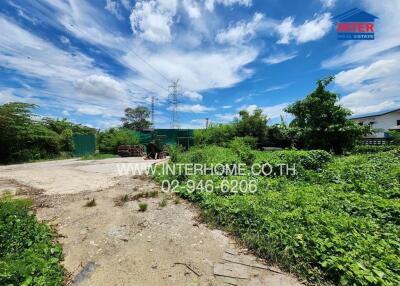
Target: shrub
{"points": [[337, 223], [217, 134], [365, 149], [252, 124], [324, 124], [109, 140], [28, 255], [142, 207]]}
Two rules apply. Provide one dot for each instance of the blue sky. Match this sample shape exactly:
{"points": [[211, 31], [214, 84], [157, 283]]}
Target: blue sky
{"points": [[88, 60]]}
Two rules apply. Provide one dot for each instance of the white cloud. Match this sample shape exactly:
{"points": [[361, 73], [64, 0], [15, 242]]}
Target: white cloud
{"points": [[126, 4], [241, 31], [226, 106], [226, 117], [371, 84], [192, 8], [277, 87], [209, 4], [32, 56], [271, 112], [8, 96], [66, 76], [113, 6], [100, 86], [66, 79], [152, 20], [65, 40], [387, 36], [192, 95], [310, 30], [195, 108], [361, 74], [198, 70], [91, 110], [278, 58], [328, 3], [371, 88]]}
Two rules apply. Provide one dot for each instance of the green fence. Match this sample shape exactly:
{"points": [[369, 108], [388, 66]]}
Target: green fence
{"points": [[84, 144], [164, 137]]}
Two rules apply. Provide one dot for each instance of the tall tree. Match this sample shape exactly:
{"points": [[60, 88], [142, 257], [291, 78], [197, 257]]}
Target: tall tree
{"points": [[15, 120], [254, 125], [323, 122], [136, 118]]}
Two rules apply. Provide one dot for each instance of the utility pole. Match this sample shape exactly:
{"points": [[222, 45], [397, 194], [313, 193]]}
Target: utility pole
{"points": [[152, 110], [174, 91], [207, 122]]}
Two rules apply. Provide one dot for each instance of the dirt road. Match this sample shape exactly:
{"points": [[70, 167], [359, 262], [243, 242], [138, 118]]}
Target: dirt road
{"points": [[113, 243]]}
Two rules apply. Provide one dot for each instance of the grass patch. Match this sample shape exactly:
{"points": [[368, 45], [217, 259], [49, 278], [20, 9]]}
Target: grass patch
{"points": [[99, 156], [336, 221], [163, 202], [177, 201], [142, 207], [28, 253], [121, 200]]}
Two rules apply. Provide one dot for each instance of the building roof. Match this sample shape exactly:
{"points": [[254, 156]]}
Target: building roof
{"points": [[355, 15], [373, 114]]}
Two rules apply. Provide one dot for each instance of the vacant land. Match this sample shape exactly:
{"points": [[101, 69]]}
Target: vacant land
{"points": [[107, 241]]}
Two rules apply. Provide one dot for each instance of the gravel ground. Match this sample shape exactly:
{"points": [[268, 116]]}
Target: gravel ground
{"points": [[113, 243]]}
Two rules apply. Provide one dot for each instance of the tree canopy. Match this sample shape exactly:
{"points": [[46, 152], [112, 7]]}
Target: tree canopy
{"points": [[136, 118], [323, 122]]}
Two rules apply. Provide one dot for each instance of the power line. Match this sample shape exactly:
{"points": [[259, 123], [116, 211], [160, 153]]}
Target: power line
{"points": [[174, 104], [150, 65]]}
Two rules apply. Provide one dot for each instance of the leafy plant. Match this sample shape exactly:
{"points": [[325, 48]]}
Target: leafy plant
{"points": [[143, 207], [337, 221], [28, 255], [163, 202], [109, 140], [324, 124]]}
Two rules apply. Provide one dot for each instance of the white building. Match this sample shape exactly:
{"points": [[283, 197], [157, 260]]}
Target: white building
{"points": [[381, 121]]}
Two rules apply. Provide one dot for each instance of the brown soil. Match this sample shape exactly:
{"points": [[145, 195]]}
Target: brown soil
{"points": [[113, 243]]}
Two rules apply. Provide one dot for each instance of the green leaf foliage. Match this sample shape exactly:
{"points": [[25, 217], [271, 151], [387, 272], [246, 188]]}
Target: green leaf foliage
{"points": [[28, 255], [324, 123], [336, 221], [109, 140]]}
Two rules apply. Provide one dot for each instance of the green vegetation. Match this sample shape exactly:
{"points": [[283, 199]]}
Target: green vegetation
{"points": [[163, 202], [336, 220], [136, 118], [319, 123], [142, 207], [323, 123], [98, 156], [23, 138], [28, 254], [109, 140]]}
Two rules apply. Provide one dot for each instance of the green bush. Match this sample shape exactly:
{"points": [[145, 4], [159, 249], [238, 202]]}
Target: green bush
{"points": [[336, 222], [220, 134], [28, 255], [109, 140], [365, 149], [24, 139]]}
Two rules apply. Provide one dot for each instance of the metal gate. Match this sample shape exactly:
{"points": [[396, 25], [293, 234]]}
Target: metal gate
{"points": [[84, 144]]}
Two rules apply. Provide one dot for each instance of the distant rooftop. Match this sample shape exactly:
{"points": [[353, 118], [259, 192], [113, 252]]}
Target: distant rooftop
{"points": [[372, 114]]}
